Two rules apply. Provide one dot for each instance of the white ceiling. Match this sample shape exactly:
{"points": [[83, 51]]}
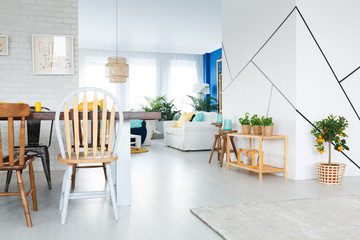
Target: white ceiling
{"points": [[174, 26]]}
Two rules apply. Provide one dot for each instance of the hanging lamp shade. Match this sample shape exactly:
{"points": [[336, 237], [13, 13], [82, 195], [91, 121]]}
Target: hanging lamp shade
{"points": [[117, 70]]}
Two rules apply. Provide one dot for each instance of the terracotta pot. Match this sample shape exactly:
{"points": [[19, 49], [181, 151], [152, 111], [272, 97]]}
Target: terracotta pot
{"points": [[267, 130], [330, 173], [256, 130], [246, 129]]}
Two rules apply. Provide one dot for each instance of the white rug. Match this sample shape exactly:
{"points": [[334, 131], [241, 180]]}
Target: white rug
{"points": [[323, 218]]}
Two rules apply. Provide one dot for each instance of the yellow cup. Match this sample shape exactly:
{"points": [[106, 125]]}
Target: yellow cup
{"points": [[38, 107]]}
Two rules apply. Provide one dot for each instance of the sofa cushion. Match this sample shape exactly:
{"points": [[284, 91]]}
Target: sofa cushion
{"points": [[199, 117], [210, 116], [136, 123], [185, 117]]}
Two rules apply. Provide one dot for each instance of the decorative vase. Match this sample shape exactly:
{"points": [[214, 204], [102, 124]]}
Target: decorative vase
{"points": [[219, 118], [246, 129], [256, 130], [227, 125], [267, 130], [330, 173]]}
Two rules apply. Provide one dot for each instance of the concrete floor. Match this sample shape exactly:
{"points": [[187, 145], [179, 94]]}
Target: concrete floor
{"points": [[166, 183]]}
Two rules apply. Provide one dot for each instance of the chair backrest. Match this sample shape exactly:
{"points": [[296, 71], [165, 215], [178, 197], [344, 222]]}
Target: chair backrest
{"points": [[33, 129], [107, 137], [11, 111]]}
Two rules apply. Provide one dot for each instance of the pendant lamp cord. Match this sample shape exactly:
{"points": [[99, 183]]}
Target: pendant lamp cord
{"points": [[117, 31]]}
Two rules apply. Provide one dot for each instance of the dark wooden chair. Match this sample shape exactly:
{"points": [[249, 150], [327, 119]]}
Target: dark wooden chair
{"points": [[18, 162], [35, 148]]}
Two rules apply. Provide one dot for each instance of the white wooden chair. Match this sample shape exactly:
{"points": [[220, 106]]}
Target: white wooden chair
{"points": [[107, 137]]}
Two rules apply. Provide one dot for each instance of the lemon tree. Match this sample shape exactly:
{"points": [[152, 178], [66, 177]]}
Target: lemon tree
{"points": [[330, 130]]}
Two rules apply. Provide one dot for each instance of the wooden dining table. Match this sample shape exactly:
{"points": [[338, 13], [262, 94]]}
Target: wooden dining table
{"points": [[121, 168]]}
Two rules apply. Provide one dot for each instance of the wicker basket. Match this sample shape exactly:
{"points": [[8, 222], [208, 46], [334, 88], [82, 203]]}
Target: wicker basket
{"points": [[246, 129], [330, 174], [267, 130], [256, 130]]}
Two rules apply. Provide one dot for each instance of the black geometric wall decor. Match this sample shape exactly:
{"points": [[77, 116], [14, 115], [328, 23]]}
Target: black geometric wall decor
{"points": [[274, 86]]}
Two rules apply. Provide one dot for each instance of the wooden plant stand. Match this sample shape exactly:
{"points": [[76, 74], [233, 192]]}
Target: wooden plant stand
{"points": [[261, 168]]}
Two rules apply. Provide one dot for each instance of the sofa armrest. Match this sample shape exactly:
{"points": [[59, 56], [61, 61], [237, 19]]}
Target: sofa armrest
{"points": [[169, 124]]}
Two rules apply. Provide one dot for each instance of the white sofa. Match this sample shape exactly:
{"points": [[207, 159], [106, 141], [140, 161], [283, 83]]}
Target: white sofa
{"points": [[191, 135]]}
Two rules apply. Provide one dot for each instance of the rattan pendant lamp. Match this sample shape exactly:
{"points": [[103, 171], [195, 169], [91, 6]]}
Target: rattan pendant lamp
{"points": [[116, 69]]}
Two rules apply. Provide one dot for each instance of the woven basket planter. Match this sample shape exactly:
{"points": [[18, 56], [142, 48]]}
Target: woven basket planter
{"points": [[267, 130], [331, 174], [256, 130], [246, 129]]}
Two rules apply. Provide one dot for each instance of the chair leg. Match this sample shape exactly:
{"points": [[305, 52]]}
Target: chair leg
{"points": [[219, 147], [33, 186], [224, 142], [213, 148], [8, 180], [104, 168], [63, 189], [112, 191], [46, 165], [73, 176], [66, 194], [23, 198]]}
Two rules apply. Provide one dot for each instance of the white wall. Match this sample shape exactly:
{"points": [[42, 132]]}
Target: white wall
{"points": [[292, 61], [317, 91], [246, 27], [19, 20]]}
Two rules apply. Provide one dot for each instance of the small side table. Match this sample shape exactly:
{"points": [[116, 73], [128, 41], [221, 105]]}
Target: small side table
{"points": [[226, 146], [217, 140]]}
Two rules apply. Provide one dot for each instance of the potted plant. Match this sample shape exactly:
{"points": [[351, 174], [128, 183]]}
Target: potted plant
{"points": [[330, 130], [267, 126], [202, 103], [255, 125], [163, 105], [245, 124]]}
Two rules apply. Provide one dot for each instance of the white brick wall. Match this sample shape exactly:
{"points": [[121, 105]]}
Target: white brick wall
{"points": [[19, 20]]}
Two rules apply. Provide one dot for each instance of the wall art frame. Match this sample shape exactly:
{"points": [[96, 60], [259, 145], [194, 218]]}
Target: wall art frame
{"points": [[53, 55], [4, 45]]}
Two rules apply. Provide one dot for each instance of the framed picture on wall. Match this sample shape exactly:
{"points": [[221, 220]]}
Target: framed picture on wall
{"points": [[4, 45], [52, 55]]}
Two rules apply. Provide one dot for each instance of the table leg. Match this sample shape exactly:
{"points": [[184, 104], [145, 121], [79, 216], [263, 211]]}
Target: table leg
{"points": [[285, 157], [234, 147], [261, 159], [249, 143]]}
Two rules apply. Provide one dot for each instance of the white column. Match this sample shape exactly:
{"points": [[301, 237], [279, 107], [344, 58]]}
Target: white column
{"points": [[123, 164]]}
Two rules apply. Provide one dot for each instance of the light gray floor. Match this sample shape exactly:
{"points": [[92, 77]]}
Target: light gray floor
{"points": [[166, 183]]}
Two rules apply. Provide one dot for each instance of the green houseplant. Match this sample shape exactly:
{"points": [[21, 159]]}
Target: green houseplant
{"points": [[245, 124], [256, 124], [267, 127], [202, 103], [163, 105], [330, 130]]}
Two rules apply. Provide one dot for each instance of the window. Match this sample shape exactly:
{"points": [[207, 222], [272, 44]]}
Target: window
{"points": [[183, 77], [150, 75], [142, 81]]}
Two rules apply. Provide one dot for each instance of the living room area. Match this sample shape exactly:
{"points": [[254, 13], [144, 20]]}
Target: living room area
{"points": [[221, 72]]}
